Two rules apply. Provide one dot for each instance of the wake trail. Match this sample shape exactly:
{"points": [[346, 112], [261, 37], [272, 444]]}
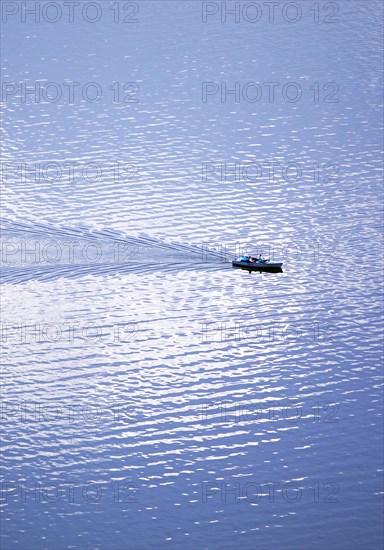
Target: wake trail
{"points": [[41, 251]]}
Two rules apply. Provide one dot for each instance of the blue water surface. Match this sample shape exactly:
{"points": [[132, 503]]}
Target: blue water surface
{"points": [[153, 396]]}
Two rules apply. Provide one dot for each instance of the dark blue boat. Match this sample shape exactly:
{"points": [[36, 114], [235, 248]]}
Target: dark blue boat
{"points": [[258, 265]]}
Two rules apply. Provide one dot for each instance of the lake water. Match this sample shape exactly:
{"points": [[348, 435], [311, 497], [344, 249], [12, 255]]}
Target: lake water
{"points": [[153, 396]]}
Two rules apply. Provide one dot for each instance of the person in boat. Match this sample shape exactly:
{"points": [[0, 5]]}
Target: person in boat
{"points": [[248, 259], [262, 260]]}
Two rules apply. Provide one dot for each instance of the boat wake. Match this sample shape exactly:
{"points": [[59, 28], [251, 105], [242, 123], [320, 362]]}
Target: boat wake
{"points": [[45, 252]]}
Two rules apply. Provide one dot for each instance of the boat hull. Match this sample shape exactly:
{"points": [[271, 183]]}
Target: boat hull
{"points": [[259, 266]]}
